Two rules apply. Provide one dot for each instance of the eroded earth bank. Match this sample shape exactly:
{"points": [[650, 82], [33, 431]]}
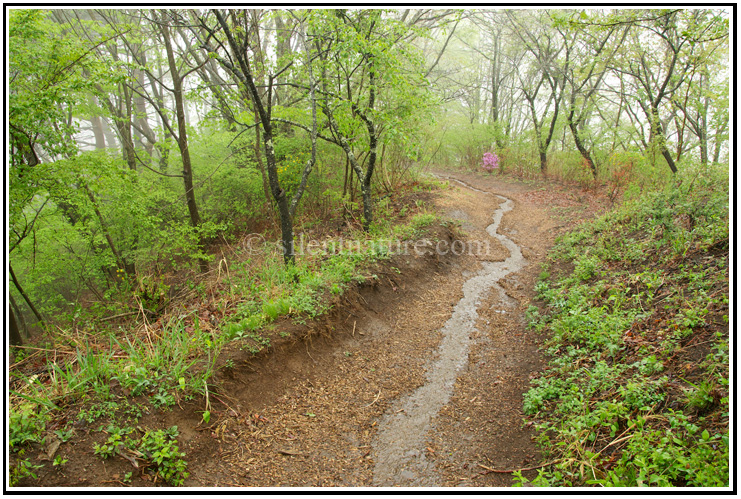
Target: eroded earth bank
{"points": [[419, 384], [416, 380]]}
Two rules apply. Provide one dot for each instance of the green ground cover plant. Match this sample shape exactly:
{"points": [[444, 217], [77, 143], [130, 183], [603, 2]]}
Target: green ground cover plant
{"points": [[177, 361], [636, 392]]}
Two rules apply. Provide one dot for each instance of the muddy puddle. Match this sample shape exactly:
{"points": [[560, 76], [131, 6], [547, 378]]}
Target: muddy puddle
{"points": [[399, 447]]}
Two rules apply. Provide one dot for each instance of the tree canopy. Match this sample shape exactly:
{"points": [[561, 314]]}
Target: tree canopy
{"points": [[139, 140]]}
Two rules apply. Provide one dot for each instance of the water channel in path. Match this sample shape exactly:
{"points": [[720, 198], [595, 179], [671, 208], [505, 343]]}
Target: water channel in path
{"points": [[399, 446]]}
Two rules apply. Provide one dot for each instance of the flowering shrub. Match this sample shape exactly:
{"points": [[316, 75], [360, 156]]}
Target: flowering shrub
{"points": [[490, 161]]}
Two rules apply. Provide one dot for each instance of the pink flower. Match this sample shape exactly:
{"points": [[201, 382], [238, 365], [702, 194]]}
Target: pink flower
{"points": [[490, 161]]}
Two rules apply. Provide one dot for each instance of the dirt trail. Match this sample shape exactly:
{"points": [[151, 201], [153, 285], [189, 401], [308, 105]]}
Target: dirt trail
{"points": [[415, 379], [421, 382], [400, 444]]}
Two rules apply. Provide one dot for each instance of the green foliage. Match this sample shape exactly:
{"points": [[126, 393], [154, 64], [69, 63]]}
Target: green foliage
{"points": [[46, 69], [163, 398], [401, 101], [70, 247], [465, 143], [271, 289], [416, 226], [701, 396], [158, 448], [654, 458], [231, 193], [113, 442], [107, 409], [170, 364], [612, 340], [23, 468], [25, 425]]}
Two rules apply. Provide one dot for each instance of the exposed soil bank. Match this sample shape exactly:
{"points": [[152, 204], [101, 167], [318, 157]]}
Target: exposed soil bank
{"points": [[311, 413]]}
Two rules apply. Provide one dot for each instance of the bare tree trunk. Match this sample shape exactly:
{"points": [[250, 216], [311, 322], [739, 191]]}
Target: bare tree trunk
{"points": [[719, 142], [581, 147], [668, 157], [260, 164], [182, 139], [245, 75], [25, 296], [123, 124], [97, 124], [140, 119], [15, 335], [657, 137], [23, 327], [122, 264], [348, 173], [543, 161]]}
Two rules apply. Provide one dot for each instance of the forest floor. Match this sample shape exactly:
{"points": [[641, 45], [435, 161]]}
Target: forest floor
{"points": [[313, 412]]}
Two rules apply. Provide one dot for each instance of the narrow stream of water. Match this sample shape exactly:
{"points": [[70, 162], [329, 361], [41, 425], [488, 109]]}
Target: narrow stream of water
{"points": [[400, 443]]}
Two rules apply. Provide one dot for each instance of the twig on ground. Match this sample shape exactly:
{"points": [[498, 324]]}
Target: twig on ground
{"points": [[376, 399], [117, 316], [55, 350], [492, 470]]}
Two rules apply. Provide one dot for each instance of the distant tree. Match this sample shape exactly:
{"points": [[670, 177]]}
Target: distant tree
{"points": [[547, 72], [658, 57], [589, 55]]}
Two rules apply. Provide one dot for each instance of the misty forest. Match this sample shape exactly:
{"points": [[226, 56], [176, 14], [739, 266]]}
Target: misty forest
{"points": [[194, 192]]}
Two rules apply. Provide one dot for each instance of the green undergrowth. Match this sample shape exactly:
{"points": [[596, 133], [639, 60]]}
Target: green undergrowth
{"points": [[635, 325], [111, 381], [266, 289], [155, 451]]}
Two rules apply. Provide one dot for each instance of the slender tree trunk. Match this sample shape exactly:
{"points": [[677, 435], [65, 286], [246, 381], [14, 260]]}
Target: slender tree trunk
{"points": [[190, 197], [121, 112], [140, 109], [245, 76], [680, 125], [97, 124], [703, 147], [718, 142], [260, 164], [657, 137], [19, 316], [122, 264], [15, 335], [124, 128], [351, 181], [365, 186], [25, 296], [348, 173], [543, 161], [364, 178], [668, 157], [581, 147], [127, 142], [163, 149], [182, 140], [122, 122], [281, 197], [95, 120]]}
